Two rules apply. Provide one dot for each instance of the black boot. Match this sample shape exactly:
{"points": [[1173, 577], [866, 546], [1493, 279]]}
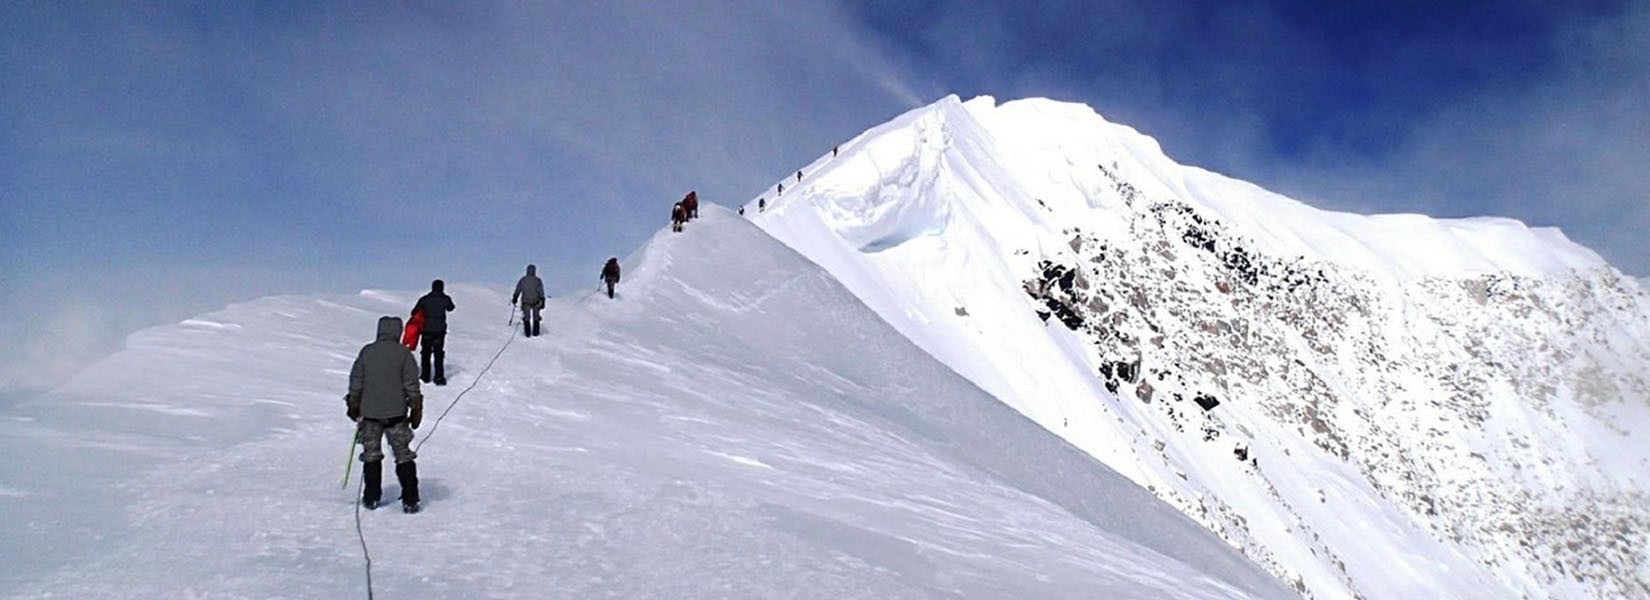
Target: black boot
{"points": [[372, 475], [526, 328], [535, 327], [440, 368], [407, 472]]}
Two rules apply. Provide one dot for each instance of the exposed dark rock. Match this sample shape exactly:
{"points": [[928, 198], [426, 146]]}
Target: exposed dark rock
{"points": [[1128, 371]]}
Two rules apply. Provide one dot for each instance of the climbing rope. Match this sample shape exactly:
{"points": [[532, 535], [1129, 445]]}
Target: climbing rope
{"points": [[588, 294], [360, 488], [472, 386]]}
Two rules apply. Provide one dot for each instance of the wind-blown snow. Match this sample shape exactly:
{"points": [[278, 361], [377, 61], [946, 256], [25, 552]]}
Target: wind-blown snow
{"points": [[735, 424], [1408, 406]]}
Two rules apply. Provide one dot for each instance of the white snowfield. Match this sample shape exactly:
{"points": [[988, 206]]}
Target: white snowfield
{"points": [[1408, 407], [734, 425]]}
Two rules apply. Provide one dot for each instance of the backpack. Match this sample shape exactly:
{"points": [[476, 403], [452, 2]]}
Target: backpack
{"points": [[612, 267], [409, 334]]}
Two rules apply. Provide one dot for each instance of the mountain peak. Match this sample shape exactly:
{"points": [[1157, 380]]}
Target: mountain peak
{"points": [[1065, 156], [1354, 400]]}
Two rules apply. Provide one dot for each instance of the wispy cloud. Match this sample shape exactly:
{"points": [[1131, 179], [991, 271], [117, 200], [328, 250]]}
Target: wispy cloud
{"points": [[337, 146], [1563, 150], [77, 331]]}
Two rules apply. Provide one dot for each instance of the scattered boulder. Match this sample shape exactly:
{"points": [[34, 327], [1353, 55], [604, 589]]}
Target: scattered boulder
{"points": [[1144, 392]]}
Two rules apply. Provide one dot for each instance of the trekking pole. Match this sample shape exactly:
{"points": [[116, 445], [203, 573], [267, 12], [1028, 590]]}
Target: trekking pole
{"points": [[349, 460]]}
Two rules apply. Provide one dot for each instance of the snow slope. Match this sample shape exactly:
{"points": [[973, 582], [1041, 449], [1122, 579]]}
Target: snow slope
{"points": [[734, 425], [1408, 407]]}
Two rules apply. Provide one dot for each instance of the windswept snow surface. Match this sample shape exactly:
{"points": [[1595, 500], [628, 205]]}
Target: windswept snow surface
{"points": [[734, 425], [1408, 407]]}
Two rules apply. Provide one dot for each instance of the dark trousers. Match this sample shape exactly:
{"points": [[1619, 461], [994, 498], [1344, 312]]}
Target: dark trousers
{"points": [[610, 288], [433, 345], [530, 320]]}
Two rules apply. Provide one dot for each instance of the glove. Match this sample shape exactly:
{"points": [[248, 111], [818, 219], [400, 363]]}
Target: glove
{"points": [[512, 302], [417, 417], [352, 407]]}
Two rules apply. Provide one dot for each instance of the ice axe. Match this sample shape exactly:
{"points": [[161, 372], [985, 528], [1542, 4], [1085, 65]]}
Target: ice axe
{"points": [[349, 460]]}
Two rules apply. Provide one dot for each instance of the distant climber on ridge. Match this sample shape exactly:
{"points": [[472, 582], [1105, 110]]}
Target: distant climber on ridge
{"points": [[384, 400], [610, 274], [690, 204], [433, 336], [678, 215], [530, 290], [761, 205]]}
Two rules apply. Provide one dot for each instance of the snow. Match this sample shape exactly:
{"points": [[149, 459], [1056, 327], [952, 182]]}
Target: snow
{"points": [[857, 397], [734, 424], [1040, 132], [1426, 365]]}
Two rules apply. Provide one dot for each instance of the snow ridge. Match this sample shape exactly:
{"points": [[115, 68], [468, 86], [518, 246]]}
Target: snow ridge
{"points": [[735, 424], [1385, 406]]}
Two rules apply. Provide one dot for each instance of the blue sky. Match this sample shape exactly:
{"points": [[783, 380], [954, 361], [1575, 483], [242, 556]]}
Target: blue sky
{"points": [[160, 160]]}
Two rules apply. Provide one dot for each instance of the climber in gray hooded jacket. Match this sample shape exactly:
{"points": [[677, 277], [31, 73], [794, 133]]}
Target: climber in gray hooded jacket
{"points": [[530, 290], [384, 401]]}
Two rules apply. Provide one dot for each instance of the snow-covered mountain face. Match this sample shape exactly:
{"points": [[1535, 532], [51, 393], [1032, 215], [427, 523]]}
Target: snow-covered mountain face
{"points": [[1385, 406], [734, 425]]}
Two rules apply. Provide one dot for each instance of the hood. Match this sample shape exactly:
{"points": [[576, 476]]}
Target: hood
{"points": [[389, 329], [437, 286], [532, 270]]}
